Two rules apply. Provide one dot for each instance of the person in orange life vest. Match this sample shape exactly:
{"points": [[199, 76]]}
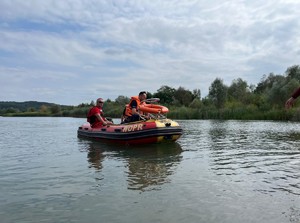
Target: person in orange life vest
{"points": [[290, 102], [96, 116], [131, 112]]}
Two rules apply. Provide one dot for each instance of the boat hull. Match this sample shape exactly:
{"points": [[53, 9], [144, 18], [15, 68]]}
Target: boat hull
{"points": [[144, 132]]}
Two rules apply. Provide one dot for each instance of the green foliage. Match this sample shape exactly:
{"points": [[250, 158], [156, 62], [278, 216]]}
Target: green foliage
{"points": [[265, 101], [166, 95], [122, 100], [196, 94], [218, 93], [31, 109], [55, 109], [293, 72], [196, 103], [183, 96], [238, 91]]}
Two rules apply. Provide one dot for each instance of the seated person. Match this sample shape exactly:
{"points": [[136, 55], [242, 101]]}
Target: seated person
{"points": [[96, 116], [131, 112]]}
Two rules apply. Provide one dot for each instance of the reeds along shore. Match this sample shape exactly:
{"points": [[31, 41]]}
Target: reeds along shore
{"points": [[242, 113], [264, 101]]}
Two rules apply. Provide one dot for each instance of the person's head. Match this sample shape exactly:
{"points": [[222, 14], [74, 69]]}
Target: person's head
{"points": [[99, 102], [143, 95]]}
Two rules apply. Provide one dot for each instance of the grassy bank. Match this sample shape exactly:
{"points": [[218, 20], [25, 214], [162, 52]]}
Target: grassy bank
{"points": [[242, 113]]}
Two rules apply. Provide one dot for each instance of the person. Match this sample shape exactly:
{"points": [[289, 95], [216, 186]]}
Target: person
{"points": [[95, 115], [131, 112], [290, 102]]}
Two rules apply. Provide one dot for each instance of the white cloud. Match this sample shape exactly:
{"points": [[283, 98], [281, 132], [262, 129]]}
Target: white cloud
{"points": [[113, 48]]}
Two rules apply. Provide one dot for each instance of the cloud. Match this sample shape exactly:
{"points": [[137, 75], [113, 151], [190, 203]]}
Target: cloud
{"points": [[113, 48]]}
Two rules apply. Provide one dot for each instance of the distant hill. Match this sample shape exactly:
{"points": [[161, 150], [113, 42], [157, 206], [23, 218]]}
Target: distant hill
{"points": [[24, 106]]}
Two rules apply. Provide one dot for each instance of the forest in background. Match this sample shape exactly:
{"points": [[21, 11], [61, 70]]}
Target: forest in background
{"points": [[240, 101]]}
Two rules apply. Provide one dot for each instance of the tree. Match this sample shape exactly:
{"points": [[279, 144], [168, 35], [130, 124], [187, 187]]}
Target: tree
{"points": [[55, 109], [149, 94], [196, 103], [183, 96], [238, 90], [166, 94], [44, 109], [293, 72], [217, 93], [122, 100], [12, 110], [31, 109], [196, 94], [267, 82], [82, 105], [281, 90]]}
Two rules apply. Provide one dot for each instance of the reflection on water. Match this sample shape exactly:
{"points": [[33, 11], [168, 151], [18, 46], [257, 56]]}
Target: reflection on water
{"points": [[151, 165], [95, 157], [148, 166], [219, 171]]}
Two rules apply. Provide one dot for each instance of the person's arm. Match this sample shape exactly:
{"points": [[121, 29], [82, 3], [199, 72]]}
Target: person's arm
{"points": [[134, 111], [105, 122], [133, 105], [296, 93], [290, 102], [108, 122]]}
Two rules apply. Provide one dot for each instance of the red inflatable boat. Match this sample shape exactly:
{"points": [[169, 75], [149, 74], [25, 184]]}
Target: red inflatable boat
{"points": [[142, 132]]}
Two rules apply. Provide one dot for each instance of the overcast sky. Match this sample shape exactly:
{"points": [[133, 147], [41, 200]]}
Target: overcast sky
{"points": [[74, 51]]}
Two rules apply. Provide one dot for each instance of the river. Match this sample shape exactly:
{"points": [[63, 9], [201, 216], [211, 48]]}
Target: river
{"points": [[218, 171]]}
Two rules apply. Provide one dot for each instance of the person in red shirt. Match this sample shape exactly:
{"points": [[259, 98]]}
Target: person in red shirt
{"points": [[290, 102], [96, 116]]}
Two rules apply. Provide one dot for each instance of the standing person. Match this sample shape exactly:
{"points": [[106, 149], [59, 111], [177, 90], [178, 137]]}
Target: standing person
{"points": [[96, 116], [131, 112], [290, 102]]}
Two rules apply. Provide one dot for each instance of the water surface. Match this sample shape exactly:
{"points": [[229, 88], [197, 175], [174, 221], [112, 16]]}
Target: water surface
{"points": [[219, 171]]}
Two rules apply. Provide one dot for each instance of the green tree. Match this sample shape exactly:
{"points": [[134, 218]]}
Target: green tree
{"points": [[238, 90], [183, 96], [196, 103], [166, 94], [82, 105], [293, 72], [217, 93], [12, 110], [55, 109], [122, 100], [267, 82], [43, 109], [31, 109], [196, 94]]}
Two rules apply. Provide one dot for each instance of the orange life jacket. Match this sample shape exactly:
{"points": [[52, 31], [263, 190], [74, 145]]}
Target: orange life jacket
{"points": [[128, 108]]}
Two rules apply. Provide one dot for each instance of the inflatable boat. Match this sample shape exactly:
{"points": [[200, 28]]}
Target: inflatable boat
{"points": [[157, 128], [142, 132]]}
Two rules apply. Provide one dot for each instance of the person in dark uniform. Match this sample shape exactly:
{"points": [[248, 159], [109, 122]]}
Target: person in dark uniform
{"points": [[131, 112]]}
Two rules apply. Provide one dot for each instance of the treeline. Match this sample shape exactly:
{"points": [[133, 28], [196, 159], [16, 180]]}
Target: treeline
{"points": [[32, 108], [264, 101]]}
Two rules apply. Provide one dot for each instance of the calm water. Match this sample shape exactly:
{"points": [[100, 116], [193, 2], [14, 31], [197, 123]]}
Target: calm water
{"points": [[219, 171]]}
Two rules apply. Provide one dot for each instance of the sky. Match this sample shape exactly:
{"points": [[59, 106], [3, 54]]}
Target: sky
{"points": [[75, 51]]}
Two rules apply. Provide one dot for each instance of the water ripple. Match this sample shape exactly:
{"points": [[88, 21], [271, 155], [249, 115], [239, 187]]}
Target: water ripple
{"points": [[219, 171]]}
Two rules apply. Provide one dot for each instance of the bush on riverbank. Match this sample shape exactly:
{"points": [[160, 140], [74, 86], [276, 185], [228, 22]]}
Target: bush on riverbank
{"points": [[240, 101], [243, 113]]}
